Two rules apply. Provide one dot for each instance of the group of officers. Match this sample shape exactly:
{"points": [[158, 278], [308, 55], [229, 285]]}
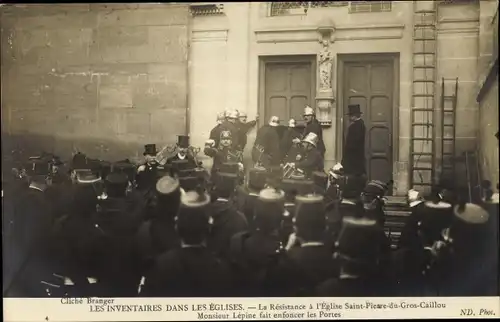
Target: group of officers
{"points": [[167, 228]]}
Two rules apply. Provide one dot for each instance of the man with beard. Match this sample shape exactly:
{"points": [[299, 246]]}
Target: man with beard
{"points": [[266, 147], [183, 152], [313, 126]]}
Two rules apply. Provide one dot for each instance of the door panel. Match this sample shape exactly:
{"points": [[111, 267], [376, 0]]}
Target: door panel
{"points": [[288, 87], [370, 84]]}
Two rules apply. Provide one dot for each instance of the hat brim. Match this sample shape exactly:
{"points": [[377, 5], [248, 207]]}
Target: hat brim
{"points": [[356, 113]]}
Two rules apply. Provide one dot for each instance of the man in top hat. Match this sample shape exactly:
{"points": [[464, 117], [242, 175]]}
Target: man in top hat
{"points": [[313, 126], [191, 270], [266, 146], [227, 220], [310, 158], [183, 152], [147, 173], [311, 260], [353, 157], [257, 254], [28, 237], [157, 234], [287, 146], [244, 127], [358, 252]]}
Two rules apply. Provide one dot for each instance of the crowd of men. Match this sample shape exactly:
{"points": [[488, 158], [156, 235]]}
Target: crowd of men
{"points": [[170, 229]]}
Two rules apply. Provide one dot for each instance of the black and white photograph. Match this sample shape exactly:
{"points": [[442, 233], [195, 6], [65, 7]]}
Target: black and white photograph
{"points": [[329, 149]]}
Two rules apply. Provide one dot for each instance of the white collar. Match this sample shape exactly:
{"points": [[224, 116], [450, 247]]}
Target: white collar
{"points": [[348, 202], [181, 157], [311, 244], [223, 199], [192, 246], [415, 203]]}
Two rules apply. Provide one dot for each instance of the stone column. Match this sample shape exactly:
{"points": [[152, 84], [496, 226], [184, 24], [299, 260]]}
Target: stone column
{"points": [[324, 93]]}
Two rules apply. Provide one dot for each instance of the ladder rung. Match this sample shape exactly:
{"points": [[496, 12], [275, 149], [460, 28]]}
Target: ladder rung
{"points": [[449, 125], [425, 11], [424, 66], [422, 169], [448, 111], [449, 96], [424, 39], [423, 81], [423, 95], [422, 153], [421, 139], [424, 25], [422, 124], [423, 53], [448, 139], [422, 184], [419, 109]]}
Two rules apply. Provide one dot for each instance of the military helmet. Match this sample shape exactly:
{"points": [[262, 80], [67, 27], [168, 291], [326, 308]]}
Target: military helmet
{"points": [[311, 138], [308, 111]]}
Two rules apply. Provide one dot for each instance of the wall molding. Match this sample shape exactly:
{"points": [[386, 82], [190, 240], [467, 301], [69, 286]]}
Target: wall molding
{"points": [[458, 25], [341, 33], [204, 35]]}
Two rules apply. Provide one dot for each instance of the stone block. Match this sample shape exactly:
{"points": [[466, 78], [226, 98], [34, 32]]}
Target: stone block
{"points": [[121, 36], [137, 122], [138, 15], [119, 69], [69, 19], [115, 96], [75, 91], [111, 123], [465, 69], [166, 124], [171, 42], [467, 123], [34, 121]]}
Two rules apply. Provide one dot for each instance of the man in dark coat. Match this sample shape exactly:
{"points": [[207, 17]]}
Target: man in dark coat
{"points": [[313, 126], [183, 152], [256, 255], [353, 159], [244, 127], [191, 270], [310, 260], [266, 147], [215, 132], [229, 125], [147, 172]]}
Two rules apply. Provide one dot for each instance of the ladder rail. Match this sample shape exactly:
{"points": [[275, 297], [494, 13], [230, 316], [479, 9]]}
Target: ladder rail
{"points": [[427, 27], [448, 163]]}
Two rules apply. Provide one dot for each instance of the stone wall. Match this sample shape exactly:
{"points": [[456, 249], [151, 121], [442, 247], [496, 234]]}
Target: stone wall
{"points": [[104, 79]]}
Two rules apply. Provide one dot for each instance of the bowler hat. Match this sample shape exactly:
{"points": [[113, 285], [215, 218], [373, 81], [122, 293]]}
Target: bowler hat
{"points": [[183, 141], [353, 109], [257, 178], [359, 239], [150, 149], [38, 168]]}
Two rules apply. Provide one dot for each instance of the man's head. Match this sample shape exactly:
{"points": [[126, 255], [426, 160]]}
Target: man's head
{"points": [[243, 117], [354, 112], [310, 141], [226, 139], [308, 114], [274, 121], [232, 116], [150, 152], [183, 144], [292, 123], [221, 117]]}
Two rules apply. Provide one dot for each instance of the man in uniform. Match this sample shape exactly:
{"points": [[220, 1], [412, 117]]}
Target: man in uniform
{"points": [[191, 270], [310, 259], [215, 132], [256, 254], [183, 152], [353, 157], [266, 147], [310, 159], [244, 127], [230, 124], [313, 126], [287, 142]]}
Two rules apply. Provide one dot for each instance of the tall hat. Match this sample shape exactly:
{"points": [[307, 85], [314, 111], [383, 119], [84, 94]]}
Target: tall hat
{"points": [[116, 184], [257, 178], [183, 141], [79, 161], [226, 183], [299, 187], [308, 110], [292, 123], [354, 109], [359, 240], [437, 215], [320, 179], [310, 216], [87, 176], [168, 189], [311, 138], [194, 211], [150, 149], [274, 121], [233, 114], [269, 209]]}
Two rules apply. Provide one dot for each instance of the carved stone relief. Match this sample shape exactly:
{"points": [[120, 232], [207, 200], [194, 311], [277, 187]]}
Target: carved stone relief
{"points": [[325, 96]]}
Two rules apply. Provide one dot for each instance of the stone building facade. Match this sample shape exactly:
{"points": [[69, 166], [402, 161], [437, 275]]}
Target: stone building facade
{"points": [[120, 76]]}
